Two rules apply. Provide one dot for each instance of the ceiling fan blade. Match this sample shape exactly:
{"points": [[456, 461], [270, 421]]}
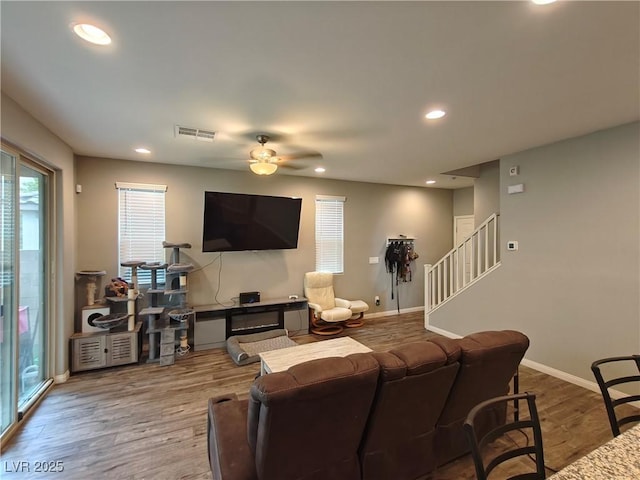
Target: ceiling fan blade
{"points": [[289, 166], [301, 156]]}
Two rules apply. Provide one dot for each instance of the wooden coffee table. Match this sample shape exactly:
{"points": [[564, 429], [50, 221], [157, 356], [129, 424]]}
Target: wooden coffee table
{"points": [[280, 360]]}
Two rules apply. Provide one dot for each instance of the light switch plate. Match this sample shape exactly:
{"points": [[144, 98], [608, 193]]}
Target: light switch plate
{"points": [[519, 188], [373, 260]]}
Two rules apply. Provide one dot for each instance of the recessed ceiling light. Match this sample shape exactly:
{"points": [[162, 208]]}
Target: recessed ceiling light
{"points": [[435, 114], [91, 33], [543, 2], [430, 182], [143, 150], [320, 170]]}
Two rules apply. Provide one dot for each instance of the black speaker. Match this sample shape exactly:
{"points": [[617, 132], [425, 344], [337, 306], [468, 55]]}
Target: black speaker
{"points": [[249, 297]]}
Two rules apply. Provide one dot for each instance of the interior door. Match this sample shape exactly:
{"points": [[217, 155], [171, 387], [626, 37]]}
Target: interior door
{"points": [[463, 226]]}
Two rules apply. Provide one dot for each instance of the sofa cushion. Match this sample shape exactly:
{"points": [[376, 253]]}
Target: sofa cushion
{"points": [[420, 357], [307, 422], [413, 386], [450, 346], [488, 362]]}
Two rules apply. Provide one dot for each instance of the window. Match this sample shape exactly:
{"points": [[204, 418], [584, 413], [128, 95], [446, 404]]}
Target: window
{"points": [[330, 233], [141, 227]]}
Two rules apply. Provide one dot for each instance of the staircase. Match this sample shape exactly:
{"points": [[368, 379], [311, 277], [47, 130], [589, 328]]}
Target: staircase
{"points": [[464, 265]]}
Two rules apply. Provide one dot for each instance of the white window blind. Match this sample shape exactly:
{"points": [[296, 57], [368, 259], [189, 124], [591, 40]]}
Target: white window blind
{"points": [[141, 227], [330, 234]]}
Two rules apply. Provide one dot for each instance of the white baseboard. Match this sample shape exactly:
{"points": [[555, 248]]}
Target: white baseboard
{"points": [[581, 382], [61, 378], [554, 372], [442, 332], [393, 312], [567, 377]]}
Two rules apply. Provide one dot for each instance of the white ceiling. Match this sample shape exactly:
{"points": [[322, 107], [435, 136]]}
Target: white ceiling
{"points": [[351, 81]]}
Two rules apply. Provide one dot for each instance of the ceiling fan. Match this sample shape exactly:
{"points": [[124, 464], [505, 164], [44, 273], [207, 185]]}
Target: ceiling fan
{"points": [[265, 161]]}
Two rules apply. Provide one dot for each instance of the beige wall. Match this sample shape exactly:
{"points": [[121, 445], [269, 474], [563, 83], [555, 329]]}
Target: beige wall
{"points": [[486, 191], [372, 213], [463, 201], [574, 284], [25, 132]]}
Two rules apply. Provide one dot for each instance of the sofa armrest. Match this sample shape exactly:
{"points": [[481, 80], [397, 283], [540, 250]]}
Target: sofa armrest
{"points": [[341, 302], [229, 455], [227, 397], [315, 307]]}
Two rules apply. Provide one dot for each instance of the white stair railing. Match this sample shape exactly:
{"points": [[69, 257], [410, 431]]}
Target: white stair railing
{"points": [[464, 265]]}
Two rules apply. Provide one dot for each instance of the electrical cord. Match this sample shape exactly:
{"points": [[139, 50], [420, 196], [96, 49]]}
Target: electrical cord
{"points": [[205, 266], [215, 297]]}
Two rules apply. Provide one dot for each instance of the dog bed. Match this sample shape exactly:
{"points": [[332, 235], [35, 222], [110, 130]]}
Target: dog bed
{"points": [[245, 349]]}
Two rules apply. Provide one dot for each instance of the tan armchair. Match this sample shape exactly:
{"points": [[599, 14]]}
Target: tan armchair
{"points": [[329, 313]]}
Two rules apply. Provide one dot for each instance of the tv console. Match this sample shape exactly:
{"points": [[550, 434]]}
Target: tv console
{"points": [[215, 323]]}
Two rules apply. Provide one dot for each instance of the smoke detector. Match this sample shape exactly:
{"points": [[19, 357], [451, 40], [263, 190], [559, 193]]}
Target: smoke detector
{"points": [[194, 133]]}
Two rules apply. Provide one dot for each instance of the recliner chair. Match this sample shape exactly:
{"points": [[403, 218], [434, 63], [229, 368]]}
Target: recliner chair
{"points": [[329, 313], [302, 424], [413, 387], [488, 362]]}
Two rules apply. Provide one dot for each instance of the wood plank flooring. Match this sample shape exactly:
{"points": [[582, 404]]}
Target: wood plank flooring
{"points": [[147, 421]]}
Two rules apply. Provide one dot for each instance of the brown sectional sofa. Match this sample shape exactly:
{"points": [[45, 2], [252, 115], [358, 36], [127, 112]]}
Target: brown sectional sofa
{"points": [[370, 416]]}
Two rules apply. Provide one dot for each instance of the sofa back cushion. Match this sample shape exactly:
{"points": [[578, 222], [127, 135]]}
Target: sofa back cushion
{"points": [[307, 422], [488, 362], [413, 386]]}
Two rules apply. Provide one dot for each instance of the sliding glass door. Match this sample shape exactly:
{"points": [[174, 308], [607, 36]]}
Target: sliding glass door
{"points": [[8, 299], [24, 269], [32, 290]]}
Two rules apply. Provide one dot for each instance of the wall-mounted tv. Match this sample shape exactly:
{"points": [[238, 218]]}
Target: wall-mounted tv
{"points": [[237, 221]]}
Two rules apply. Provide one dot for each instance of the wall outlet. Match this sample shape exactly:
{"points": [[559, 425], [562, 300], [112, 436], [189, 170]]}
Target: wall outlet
{"points": [[512, 245], [377, 300], [514, 171]]}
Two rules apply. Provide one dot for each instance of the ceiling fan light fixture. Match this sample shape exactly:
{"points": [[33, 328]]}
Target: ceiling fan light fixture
{"points": [[262, 154], [263, 168]]}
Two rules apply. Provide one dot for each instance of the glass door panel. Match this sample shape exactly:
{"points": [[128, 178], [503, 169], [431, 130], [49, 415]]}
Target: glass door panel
{"points": [[8, 320], [32, 287], [24, 256]]}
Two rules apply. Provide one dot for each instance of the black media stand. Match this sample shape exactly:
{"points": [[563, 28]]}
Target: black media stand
{"points": [[215, 323]]}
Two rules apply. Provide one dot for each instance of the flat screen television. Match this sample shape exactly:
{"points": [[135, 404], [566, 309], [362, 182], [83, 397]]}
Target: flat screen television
{"points": [[237, 221]]}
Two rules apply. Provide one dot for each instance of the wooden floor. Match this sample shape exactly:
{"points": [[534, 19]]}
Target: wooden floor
{"points": [[148, 421]]}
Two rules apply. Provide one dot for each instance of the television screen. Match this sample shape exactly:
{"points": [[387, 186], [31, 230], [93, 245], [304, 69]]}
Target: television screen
{"points": [[237, 221]]}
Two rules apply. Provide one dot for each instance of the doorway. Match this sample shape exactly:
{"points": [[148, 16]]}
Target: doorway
{"points": [[463, 227]]}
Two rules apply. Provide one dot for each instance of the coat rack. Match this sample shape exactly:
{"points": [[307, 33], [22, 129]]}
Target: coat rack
{"points": [[400, 238], [397, 260]]}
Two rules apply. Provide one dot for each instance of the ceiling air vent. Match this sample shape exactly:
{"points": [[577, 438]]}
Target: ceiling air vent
{"points": [[194, 133]]}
